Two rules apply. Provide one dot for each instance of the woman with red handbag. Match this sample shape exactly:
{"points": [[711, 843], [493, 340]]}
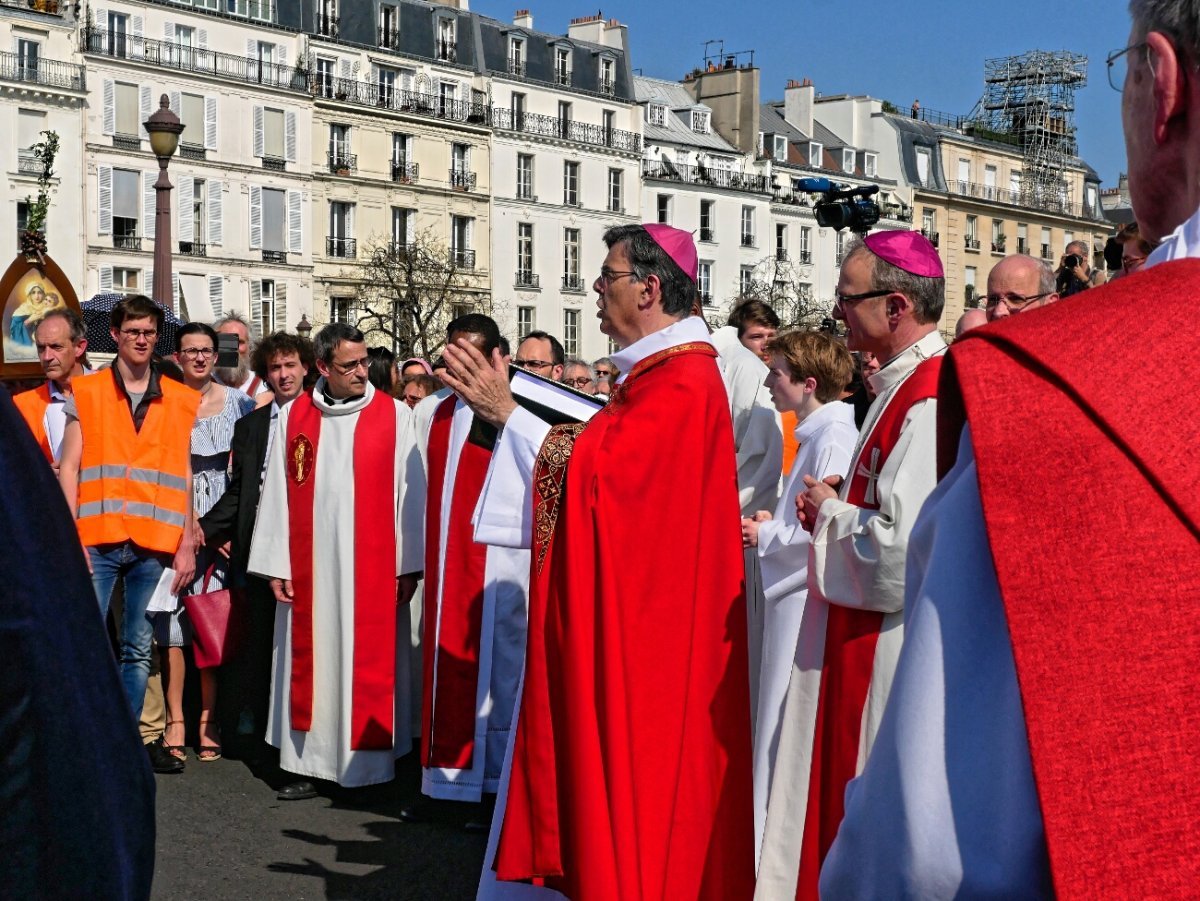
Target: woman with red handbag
{"points": [[200, 618]]}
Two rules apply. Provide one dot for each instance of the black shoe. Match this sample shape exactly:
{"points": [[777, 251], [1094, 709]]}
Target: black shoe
{"points": [[162, 760], [419, 811], [480, 820], [297, 791]]}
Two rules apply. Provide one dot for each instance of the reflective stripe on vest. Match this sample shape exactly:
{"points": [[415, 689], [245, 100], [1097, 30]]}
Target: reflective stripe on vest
{"points": [[147, 511], [150, 476]]}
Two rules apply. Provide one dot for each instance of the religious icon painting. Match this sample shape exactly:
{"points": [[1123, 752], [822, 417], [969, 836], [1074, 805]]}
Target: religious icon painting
{"points": [[29, 289], [301, 456]]}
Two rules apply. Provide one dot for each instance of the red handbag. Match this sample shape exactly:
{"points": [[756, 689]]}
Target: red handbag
{"points": [[211, 616]]}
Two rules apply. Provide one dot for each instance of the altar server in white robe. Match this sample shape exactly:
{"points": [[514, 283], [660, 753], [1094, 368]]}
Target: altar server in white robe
{"points": [[891, 290], [339, 532], [808, 372]]}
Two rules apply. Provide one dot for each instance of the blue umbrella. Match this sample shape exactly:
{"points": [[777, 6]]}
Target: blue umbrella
{"points": [[96, 316]]}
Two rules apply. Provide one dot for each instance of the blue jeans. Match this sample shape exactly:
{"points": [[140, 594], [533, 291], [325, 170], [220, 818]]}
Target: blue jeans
{"points": [[141, 570]]}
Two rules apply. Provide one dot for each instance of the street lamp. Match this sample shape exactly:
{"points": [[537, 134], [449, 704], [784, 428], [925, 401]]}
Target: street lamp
{"points": [[164, 129], [304, 327]]}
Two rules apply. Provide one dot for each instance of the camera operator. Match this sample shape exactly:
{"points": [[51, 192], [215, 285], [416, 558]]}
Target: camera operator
{"points": [[1074, 272]]}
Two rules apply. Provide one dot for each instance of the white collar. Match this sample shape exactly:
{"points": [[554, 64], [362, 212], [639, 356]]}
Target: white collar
{"points": [[343, 408], [1182, 243], [826, 414], [685, 331], [898, 367]]}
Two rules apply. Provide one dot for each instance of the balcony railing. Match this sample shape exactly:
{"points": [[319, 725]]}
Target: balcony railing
{"points": [[562, 77], [706, 235], [406, 173], [447, 51], [702, 175], [193, 249], [126, 142], [933, 236], [1051, 202], [1022, 245], [525, 191], [192, 152], [573, 283], [389, 39], [127, 242], [897, 212], [526, 279], [998, 246], [327, 25], [274, 163], [48, 72], [516, 66], [608, 88], [1047, 254], [462, 180], [781, 255], [167, 55], [971, 243], [28, 165], [342, 163], [463, 259], [364, 93], [274, 256], [566, 130], [51, 7], [346, 248], [747, 240], [398, 250]]}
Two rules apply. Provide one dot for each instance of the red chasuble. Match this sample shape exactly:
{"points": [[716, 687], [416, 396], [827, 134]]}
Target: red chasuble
{"points": [[631, 768], [1089, 476], [454, 604], [849, 660], [373, 692]]}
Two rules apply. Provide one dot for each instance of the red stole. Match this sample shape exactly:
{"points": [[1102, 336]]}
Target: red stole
{"points": [[374, 666], [453, 620], [1087, 464], [850, 639]]}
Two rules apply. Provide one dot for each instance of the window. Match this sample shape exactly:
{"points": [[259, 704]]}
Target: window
{"points": [[525, 176], [972, 233], [526, 321], [385, 80], [816, 154], [615, 199], [989, 182], [341, 310], [998, 239], [780, 147], [191, 114], [571, 332], [747, 226], [700, 121], [262, 307], [745, 279], [447, 97], [30, 125], [127, 111], [1022, 238], [564, 119], [847, 160], [403, 167], [460, 160], [339, 145], [518, 111], [608, 121], [461, 233], [571, 278], [117, 44], [562, 65], [928, 223], [704, 281], [607, 75], [516, 56], [571, 184], [274, 139], [840, 251], [274, 220], [27, 60], [447, 48], [401, 227], [870, 165], [805, 244], [664, 209], [324, 77], [125, 281], [389, 26], [341, 229], [1014, 186], [964, 175], [781, 253], [1093, 208], [923, 165], [708, 218], [126, 197], [1046, 251], [22, 216], [656, 114], [524, 254], [199, 222], [969, 276]]}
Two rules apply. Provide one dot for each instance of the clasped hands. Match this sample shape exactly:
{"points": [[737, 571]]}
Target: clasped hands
{"points": [[808, 502]]}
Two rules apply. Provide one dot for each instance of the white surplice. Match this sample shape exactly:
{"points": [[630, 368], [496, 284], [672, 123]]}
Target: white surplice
{"points": [[826, 440], [501, 644], [856, 560], [324, 751]]}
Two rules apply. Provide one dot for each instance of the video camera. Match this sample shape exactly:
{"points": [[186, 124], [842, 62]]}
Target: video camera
{"points": [[841, 206]]}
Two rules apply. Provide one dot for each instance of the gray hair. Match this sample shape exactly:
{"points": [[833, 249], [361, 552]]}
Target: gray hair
{"points": [[73, 320], [928, 295], [575, 361], [1082, 249], [327, 340], [1178, 19], [235, 316], [647, 258]]}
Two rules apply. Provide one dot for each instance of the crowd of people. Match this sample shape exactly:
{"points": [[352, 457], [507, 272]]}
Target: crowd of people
{"points": [[783, 615]]}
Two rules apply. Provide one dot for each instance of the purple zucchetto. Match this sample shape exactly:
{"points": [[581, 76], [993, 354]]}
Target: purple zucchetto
{"points": [[907, 250], [678, 245]]}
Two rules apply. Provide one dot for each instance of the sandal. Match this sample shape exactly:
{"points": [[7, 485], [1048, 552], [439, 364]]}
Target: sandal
{"points": [[207, 753], [179, 752]]}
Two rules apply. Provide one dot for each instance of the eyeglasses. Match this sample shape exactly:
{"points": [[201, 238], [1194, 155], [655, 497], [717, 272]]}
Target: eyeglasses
{"points": [[603, 373], [581, 382], [531, 364], [1118, 64], [608, 276], [351, 368], [840, 300], [195, 353], [134, 333], [1014, 303]]}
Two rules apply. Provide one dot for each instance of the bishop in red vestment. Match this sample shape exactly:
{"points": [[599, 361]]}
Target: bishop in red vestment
{"points": [[631, 775]]}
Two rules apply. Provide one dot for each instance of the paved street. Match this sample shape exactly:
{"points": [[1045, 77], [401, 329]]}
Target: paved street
{"points": [[223, 835]]}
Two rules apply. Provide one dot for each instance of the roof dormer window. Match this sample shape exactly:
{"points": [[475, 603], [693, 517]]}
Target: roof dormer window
{"points": [[516, 56], [656, 114], [562, 65], [780, 148], [816, 154], [847, 160], [608, 75], [700, 121]]}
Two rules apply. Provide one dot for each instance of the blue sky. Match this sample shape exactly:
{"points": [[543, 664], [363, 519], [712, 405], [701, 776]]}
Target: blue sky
{"points": [[932, 50]]}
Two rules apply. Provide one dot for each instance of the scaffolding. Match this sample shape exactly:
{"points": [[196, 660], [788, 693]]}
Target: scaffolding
{"points": [[1029, 101]]}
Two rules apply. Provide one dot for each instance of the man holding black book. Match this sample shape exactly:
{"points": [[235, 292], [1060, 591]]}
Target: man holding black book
{"points": [[631, 763]]}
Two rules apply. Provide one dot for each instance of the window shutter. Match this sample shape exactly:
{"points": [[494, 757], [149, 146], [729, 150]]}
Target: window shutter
{"points": [[105, 279], [256, 323], [136, 46], [148, 204], [169, 32], [176, 102], [110, 107], [289, 121], [295, 222], [147, 285], [470, 234], [186, 198], [104, 206], [210, 123], [146, 98], [258, 131], [216, 295], [202, 38], [215, 230], [255, 217], [281, 54], [280, 307], [175, 292], [344, 68], [251, 49], [101, 22]]}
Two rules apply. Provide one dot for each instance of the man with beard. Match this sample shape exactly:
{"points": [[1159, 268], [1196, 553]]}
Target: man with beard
{"points": [[241, 376]]}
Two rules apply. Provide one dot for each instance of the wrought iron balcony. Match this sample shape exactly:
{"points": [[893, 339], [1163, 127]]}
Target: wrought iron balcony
{"points": [[447, 51], [573, 283], [571, 199], [327, 25], [747, 240], [463, 259], [193, 249], [192, 152], [971, 243], [126, 142], [566, 130], [274, 256], [462, 180], [342, 163], [998, 246], [706, 299], [1049, 201], [527, 279], [28, 164], [168, 55], [346, 248], [127, 242], [389, 39], [608, 88], [525, 191], [781, 255], [363, 93], [274, 163], [398, 251], [1022, 245], [516, 66], [805, 257], [406, 173], [706, 235], [46, 72], [562, 77], [933, 236], [896, 211], [1047, 254], [665, 170]]}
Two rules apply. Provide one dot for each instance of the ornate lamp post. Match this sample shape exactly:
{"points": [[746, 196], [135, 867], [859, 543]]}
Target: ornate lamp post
{"points": [[304, 327], [164, 128]]}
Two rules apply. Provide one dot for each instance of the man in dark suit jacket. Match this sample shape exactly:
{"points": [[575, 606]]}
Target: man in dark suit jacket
{"points": [[283, 361]]}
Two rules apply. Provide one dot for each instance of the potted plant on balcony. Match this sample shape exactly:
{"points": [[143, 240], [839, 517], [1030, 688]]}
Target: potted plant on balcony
{"points": [[33, 238]]}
